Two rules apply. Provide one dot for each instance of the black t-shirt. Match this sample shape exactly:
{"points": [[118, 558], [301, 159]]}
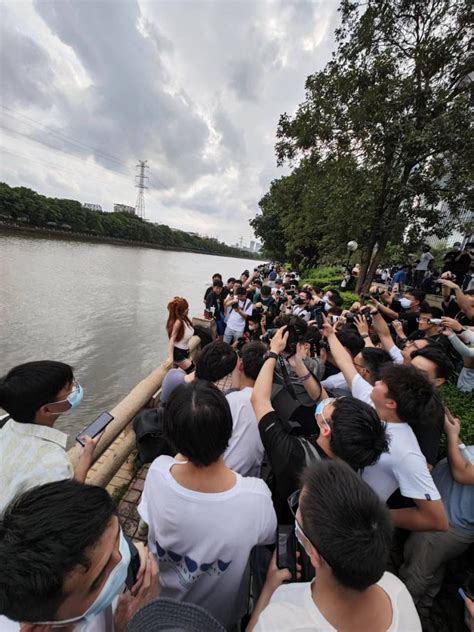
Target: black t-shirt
{"points": [[428, 430], [223, 295], [411, 318], [215, 304], [287, 459]]}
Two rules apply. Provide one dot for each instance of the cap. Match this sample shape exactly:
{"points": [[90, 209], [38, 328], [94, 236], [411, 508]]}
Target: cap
{"points": [[173, 616]]}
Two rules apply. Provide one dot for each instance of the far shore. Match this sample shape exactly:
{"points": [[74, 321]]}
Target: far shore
{"points": [[67, 235]]}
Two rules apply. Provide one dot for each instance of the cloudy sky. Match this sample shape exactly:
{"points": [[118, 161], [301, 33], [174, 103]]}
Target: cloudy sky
{"points": [[196, 88]]}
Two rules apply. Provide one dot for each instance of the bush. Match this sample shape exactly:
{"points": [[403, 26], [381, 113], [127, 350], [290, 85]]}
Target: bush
{"points": [[349, 298], [461, 405]]}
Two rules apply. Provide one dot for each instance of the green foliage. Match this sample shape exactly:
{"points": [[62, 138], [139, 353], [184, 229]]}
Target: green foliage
{"points": [[461, 405], [383, 142], [323, 276], [54, 213], [349, 298]]}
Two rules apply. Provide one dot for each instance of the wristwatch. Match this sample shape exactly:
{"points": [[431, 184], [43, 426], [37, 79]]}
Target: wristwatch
{"points": [[270, 354]]}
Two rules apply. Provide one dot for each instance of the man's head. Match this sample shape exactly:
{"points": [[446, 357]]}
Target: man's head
{"points": [[426, 248], [241, 293], [198, 422], [59, 543], [411, 346], [230, 283], [351, 341], [433, 362], [252, 359], [217, 286], [216, 361], [427, 314], [216, 277], [303, 298], [351, 430], [279, 284], [318, 291], [416, 297], [403, 392], [38, 392], [369, 362], [266, 291], [333, 298], [343, 526]]}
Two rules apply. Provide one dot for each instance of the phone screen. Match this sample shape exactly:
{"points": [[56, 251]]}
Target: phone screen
{"points": [[286, 549], [95, 427]]}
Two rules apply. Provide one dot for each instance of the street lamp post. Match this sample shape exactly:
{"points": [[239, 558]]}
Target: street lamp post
{"points": [[351, 247]]}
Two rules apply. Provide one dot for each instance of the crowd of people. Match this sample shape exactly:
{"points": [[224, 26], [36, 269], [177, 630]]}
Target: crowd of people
{"points": [[299, 476]]}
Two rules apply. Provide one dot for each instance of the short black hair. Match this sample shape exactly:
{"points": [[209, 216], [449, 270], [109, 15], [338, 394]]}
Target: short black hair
{"points": [[241, 291], [44, 534], [352, 341], [217, 275], [425, 308], [409, 388], [266, 290], [198, 422], [375, 359], [436, 354], [346, 522], [419, 295], [231, 280], [358, 437], [216, 360], [258, 282], [336, 298], [217, 283], [252, 358], [27, 387]]}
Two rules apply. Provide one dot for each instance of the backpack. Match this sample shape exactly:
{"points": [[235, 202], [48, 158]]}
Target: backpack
{"points": [[151, 442]]}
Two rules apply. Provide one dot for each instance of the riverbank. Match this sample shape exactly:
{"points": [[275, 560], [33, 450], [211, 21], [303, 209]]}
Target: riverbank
{"points": [[67, 235]]}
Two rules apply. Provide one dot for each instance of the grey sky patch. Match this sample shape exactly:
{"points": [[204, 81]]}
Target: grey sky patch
{"points": [[196, 88]]}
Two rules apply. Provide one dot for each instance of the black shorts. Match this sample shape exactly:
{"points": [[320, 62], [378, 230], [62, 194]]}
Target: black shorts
{"points": [[180, 354]]}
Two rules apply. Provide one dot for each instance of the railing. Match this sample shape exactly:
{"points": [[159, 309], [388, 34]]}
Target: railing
{"points": [[118, 440]]}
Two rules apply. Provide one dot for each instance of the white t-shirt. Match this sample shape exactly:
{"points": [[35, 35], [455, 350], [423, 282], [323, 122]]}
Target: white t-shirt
{"points": [[203, 541], [292, 608], [404, 467], [361, 389], [301, 311], [235, 321], [425, 259], [245, 452], [396, 355], [336, 381]]}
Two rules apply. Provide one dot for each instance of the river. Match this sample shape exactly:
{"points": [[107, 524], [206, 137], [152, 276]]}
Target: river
{"points": [[100, 308]]}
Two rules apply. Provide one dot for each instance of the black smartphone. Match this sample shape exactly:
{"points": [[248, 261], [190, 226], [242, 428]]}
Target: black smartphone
{"points": [[134, 565], [286, 549], [95, 428]]}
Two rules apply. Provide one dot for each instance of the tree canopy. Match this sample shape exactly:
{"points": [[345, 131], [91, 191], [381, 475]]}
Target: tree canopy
{"points": [[382, 145]]}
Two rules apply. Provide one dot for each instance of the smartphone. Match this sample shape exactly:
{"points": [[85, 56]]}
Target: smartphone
{"points": [[286, 549], [95, 428], [134, 565]]}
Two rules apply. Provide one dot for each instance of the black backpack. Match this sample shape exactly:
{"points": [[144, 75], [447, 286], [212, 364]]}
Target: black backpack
{"points": [[151, 442]]}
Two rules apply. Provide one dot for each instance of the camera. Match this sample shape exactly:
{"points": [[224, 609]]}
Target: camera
{"points": [[296, 329], [299, 301], [435, 321]]}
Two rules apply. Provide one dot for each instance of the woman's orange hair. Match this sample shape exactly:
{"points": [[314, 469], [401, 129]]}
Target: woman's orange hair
{"points": [[177, 312]]}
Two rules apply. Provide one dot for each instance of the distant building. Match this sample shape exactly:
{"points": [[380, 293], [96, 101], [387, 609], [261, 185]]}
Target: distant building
{"points": [[92, 207], [124, 208], [252, 246]]}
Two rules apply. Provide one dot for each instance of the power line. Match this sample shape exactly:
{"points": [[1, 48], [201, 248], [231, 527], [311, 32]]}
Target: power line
{"points": [[140, 203], [22, 118]]}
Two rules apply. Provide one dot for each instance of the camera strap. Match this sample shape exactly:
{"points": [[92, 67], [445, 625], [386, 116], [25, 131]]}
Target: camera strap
{"points": [[286, 378]]}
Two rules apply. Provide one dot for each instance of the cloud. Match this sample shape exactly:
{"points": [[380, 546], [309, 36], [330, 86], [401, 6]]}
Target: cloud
{"points": [[196, 88]]}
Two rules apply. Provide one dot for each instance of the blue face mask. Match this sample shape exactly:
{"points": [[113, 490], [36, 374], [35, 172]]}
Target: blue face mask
{"points": [[322, 405], [74, 399], [113, 586]]}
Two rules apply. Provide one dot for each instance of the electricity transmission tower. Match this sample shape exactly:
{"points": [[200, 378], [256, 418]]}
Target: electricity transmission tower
{"points": [[141, 186]]}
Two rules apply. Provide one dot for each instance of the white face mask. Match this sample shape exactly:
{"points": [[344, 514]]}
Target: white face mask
{"points": [[405, 303]]}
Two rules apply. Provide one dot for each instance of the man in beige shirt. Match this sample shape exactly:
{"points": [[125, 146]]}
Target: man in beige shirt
{"points": [[32, 451]]}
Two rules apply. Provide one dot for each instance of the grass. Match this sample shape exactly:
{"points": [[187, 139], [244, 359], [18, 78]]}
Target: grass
{"points": [[461, 405]]}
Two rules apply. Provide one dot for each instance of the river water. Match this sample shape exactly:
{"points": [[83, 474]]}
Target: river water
{"points": [[100, 308]]}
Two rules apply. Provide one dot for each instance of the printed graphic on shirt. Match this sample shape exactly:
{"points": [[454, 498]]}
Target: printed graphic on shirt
{"points": [[187, 569]]}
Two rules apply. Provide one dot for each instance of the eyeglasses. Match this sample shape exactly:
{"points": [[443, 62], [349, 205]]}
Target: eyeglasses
{"points": [[293, 504]]}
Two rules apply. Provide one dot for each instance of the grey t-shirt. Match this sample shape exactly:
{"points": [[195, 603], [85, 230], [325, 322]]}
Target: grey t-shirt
{"points": [[458, 498]]}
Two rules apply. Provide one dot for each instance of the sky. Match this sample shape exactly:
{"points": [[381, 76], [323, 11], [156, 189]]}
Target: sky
{"points": [[196, 88]]}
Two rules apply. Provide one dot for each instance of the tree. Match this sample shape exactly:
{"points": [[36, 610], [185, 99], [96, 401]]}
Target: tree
{"points": [[385, 128]]}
